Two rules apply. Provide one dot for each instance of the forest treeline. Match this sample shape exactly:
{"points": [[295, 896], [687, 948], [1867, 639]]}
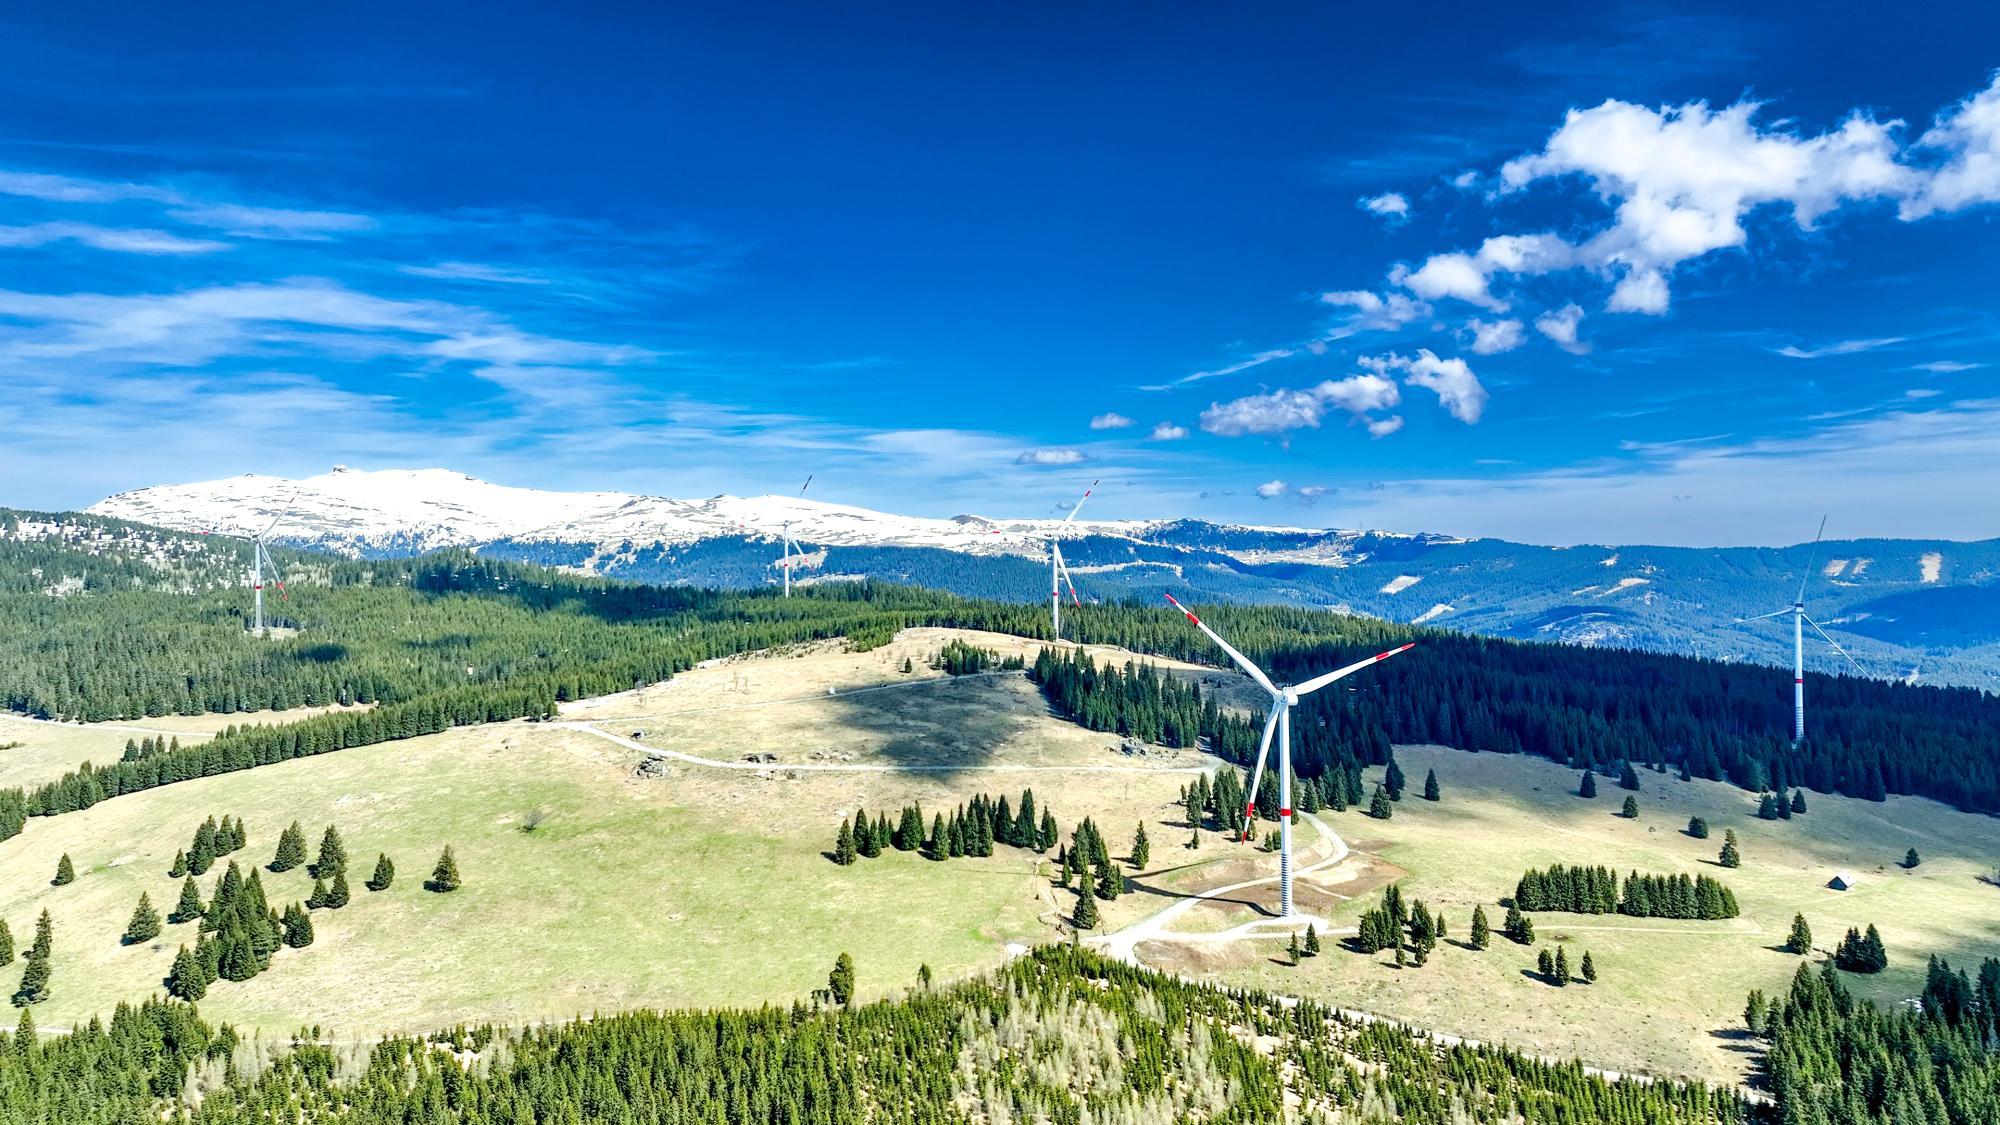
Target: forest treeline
{"points": [[1599, 890], [1061, 1035]]}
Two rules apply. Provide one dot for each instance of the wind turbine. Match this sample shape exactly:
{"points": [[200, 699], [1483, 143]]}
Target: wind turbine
{"points": [[1059, 571], [259, 558], [1280, 721], [1797, 612], [789, 545]]}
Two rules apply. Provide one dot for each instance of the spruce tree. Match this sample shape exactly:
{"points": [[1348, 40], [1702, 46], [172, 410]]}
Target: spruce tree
{"points": [[843, 845], [1910, 859], [186, 980], [332, 854], [1392, 778], [297, 926], [1730, 857], [1801, 940], [444, 877], [1545, 964], [1047, 838], [1587, 785], [1798, 801], [45, 937], [1697, 828], [1292, 948], [1631, 809], [1527, 931], [840, 982], [385, 873], [1562, 965], [1431, 791], [337, 893], [1481, 935], [34, 982], [180, 867], [1142, 852], [6, 944], [937, 847], [1085, 915], [1767, 807], [1588, 969], [189, 907], [1754, 1010], [1628, 777], [1380, 808], [291, 849], [1312, 940], [65, 872], [145, 923]]}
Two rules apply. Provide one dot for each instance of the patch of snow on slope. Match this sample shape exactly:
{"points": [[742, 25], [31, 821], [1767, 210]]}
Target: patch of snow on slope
{"points": [[1431, 614], [1401, 583], [1860, 567], [1624, 584], [1933, 565], [1834, 568], [1612, 561]]}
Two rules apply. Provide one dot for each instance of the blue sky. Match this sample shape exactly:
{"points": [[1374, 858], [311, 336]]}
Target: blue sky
{"points": [[1610, 273]]}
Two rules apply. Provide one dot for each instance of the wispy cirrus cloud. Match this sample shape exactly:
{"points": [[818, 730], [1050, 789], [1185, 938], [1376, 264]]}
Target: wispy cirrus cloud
{"points": [[124, 240], [1843, 347]]}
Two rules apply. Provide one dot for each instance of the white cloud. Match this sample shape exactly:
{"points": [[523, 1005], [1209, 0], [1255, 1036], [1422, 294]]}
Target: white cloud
{"points": [[273, 222], [1969, 136], [475, 271], [1389, 205], [1466, 276], [1271, 489], [1921, 392], [1051, 456], [1560, 325], [70, 189], [1457, 388], [1466, 180], [118, 239], [1312, 492], [1383, 427], [1373, 311], [1844, 347], [1110, 421], [1282, 410], [1167, 431], [1947, 366], [1494, 337]]}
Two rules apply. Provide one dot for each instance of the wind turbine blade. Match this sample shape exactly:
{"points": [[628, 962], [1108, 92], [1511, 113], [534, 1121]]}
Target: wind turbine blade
{"points": [[1762, 616], [806, 485], [1318, 682], [1811, 560], [1257, 775], [1241, 660], [1079, 504], [1063, 568], [1835, 644]]}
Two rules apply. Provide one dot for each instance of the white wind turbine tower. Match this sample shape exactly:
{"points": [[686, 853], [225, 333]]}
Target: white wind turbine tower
{"points": [[1797, 612], [1280, 721], [1059, 571], [789, 545], [260, 557]]}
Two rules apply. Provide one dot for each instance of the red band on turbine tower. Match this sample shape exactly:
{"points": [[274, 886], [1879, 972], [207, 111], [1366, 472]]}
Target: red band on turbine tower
{"points": [[1286, 813]]}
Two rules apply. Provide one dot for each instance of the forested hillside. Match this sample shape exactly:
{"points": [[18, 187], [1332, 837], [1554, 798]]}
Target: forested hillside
{"points": [[456, 638], [1059, 1036]]}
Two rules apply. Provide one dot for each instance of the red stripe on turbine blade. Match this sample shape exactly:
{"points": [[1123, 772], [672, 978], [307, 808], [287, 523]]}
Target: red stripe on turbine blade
{"points": [[1250, 809]]}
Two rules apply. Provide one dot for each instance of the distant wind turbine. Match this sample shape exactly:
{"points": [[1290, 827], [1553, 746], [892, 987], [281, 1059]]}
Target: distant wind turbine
{"points": [[789, 545], [260, 558], [1797, 612], [1280, 721], [1059, 571]]}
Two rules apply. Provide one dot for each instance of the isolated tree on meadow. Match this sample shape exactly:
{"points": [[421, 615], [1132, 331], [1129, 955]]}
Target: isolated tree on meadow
{"points": [[1292, 948], [1630, 811], [1730, 856], [1392, 778], [145, 923], [1545, 963], [1800, 941], [65, 872], [1142, 852], [1798, 800], [1588, 969], [1562, 966], [1587, 785], [843, 845], [1482, 936], [385, 873], [1628, 777], [332, 854], [1431, 791], [1380, 808], [840, 982], [1910, 859], [291, 849], [1698, 828], [444, 877], [1312, 940]]}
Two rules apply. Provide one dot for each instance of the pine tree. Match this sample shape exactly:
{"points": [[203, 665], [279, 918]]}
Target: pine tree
{"points": [[1562, 966], [1292, 949], [1588, 969], [291, 849], [1587, 785], [1801, 940], [45, 937], [865, 842], [1910, 859], [1767, 807], [332, 854], [1109, 881], [1527, 931], [1048, 835], [840, 982], [1798, 801], [843, 845], [1628, 777], [1631, 809], [317, 899], [189, 907], [34, 982], [1086, 909], [1194, 838], [145, 923], [65, 873], [1545, 964], [1392, 778], [1754, 1010], [1697, 828], [1431, 791], [1142, 852], [337, 893], [6, 944], [1312, 940], [297, 926], [186, 979], [1730, 857], [1481, 935], [180, 867], [1380, 808], [444, 877], [385, 873]]}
